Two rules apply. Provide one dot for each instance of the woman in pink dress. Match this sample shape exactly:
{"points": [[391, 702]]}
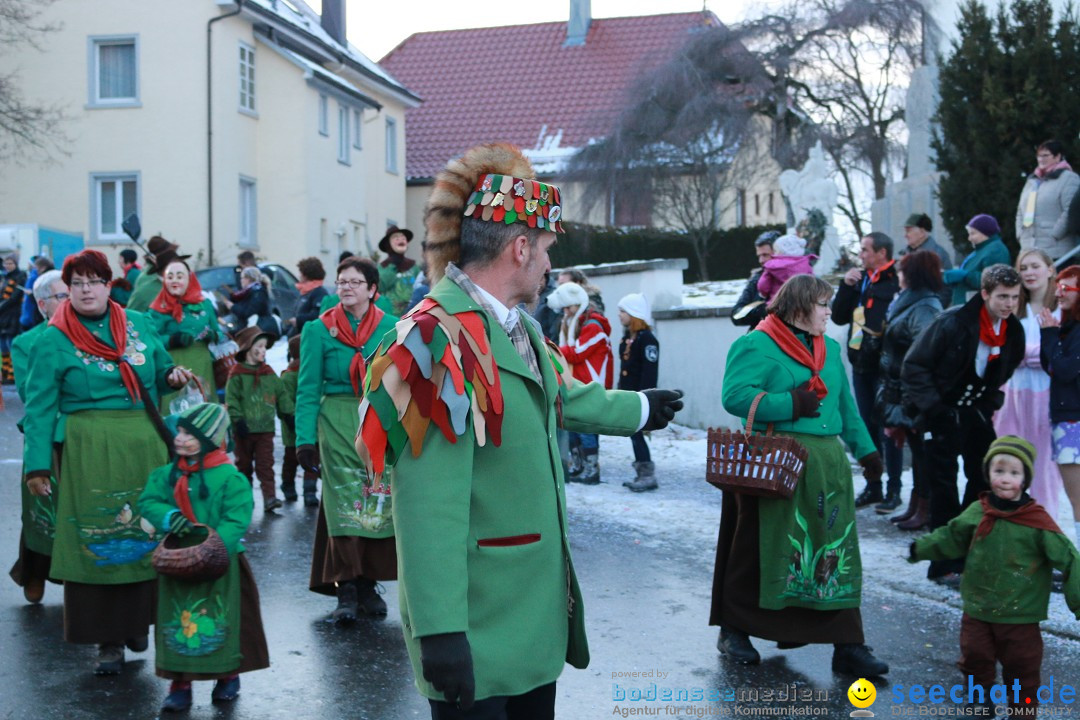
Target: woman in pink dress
{"points": [[1026, 411]]}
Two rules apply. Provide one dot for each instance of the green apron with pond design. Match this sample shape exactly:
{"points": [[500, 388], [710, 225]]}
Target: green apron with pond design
{"points": [[352, 504], [199, 623]]}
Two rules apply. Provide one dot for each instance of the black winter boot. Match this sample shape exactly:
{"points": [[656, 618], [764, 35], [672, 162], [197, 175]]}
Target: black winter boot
{"points": [[871, 494], [368, 599], [736, 645], [310, 497], [347, 607], [856, 660]]}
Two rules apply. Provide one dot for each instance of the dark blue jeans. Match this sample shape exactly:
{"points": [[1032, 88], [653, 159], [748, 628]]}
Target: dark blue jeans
{"points": [[865, 386], [641, 448]]}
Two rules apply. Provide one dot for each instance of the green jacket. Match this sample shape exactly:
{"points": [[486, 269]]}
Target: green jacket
{"points": [[481, 531], [397, 286], [64, 380], [288, 384], [1007, 574], [227, 507], [755, 363], [258, 404], [983, 256], [147, 286], [324, 370], [122, 295], [20, 356], [198, 320]]}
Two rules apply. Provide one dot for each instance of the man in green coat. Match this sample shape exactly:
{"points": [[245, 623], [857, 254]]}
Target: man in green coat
{"points": [[490, 604], [159, 253]]}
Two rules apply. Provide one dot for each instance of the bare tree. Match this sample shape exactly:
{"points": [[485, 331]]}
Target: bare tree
{"points": [[28, 129]]}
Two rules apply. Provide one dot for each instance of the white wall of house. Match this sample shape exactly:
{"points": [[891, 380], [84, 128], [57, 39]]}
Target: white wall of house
{"points": [[301, 196]]}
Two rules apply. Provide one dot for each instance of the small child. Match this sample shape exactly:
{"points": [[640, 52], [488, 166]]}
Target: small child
{"points": [[288, 436], [788, 262], [208, 630], [1011, 545], [639, 353], [254, 394]]}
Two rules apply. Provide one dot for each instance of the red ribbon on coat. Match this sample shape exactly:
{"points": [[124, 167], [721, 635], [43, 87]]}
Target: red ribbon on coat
{"points": [[168, 304], [987, 336], [775, 328], [337, 322], [181, 491], [1031, 514], [67, 321]]}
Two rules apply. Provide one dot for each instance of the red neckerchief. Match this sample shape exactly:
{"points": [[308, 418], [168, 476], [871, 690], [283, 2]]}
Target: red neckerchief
{"points": [[168, 304], [340, 328], [1030, 514], [293, 366], [180, 491], [241, 369], [307, 286], [66, 320], [874, 275], [794, 349], [987, 336]]}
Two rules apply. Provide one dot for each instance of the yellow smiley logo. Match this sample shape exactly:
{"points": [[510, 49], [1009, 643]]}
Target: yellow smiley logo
{"points": [[862, 693]]}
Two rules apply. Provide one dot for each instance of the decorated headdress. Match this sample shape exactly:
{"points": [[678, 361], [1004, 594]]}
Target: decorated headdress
{"points": [[493, 183]]}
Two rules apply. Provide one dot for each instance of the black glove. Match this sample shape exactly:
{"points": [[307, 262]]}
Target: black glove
{"points": [[179, 525], [663, 404], [290, 422], [305, 455], [180, 340], [804, 402], [872, 467], [447, 664], [240, 427]]}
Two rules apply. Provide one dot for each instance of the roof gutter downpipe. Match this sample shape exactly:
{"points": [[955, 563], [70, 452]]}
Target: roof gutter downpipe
{"points": [[210, 133]]}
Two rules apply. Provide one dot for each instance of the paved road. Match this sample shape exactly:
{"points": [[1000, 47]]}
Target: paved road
{"points": [[645, 563]]}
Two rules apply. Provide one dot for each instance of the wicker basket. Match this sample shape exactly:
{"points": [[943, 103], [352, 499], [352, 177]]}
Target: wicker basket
{"points": [[222, 367], [754, 464], [197, 556]]}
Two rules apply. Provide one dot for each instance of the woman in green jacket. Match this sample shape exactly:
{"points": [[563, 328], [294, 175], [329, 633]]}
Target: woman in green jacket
{"points": [[187, 323], [761, 587], [88, 367], [984, 233], [209, 630], [354, 535]]}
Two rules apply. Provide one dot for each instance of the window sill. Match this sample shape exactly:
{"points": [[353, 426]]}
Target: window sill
{"points": [[346, 163], [249, 113], [112, 105], [391, 172]]}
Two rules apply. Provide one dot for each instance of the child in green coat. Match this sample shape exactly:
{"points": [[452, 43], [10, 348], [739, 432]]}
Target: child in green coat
{"points": [[255, 395], [1011, 545], [289, 463], [205, 630]]}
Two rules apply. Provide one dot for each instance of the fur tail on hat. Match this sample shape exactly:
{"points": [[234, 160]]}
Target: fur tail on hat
{"points": [[443, 213]]}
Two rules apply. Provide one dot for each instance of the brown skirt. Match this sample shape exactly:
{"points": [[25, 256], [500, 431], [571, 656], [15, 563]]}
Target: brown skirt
{"points": [[253, 651], [337, 559], [737, 579], [98, 614], [30, 565]]}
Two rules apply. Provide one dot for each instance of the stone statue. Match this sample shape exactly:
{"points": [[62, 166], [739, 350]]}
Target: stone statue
{"points": [[812, 189]]}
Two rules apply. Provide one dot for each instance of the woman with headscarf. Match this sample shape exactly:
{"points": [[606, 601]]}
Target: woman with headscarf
{"points": [[187, 323], [354, 534], [91, 366]]}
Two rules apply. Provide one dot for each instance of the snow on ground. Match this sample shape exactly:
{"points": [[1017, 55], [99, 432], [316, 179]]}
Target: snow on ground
{"points": [[685, 513], [713, 293]]}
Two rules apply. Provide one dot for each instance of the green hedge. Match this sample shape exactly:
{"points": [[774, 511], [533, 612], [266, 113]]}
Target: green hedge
{"points": [[731, 252]]}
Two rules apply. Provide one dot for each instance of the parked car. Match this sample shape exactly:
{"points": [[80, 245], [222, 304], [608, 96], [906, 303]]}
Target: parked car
{"points": [[223, 279]]}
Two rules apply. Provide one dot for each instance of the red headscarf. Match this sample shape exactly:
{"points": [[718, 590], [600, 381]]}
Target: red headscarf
{"points": [[168, 304], [775, 328], [67, 321], [337, 322]]}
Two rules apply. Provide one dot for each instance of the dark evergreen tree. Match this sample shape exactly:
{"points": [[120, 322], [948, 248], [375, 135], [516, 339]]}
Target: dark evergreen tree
{"points": [[1010, 82]]}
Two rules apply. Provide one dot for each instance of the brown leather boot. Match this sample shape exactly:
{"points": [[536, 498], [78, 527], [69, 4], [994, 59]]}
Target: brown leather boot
{"points": [[906, 515], [920, 519]]}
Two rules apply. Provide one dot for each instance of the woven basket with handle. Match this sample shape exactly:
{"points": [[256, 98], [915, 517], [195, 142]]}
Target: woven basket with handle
{"points": [[196, 556], [754, 464]]}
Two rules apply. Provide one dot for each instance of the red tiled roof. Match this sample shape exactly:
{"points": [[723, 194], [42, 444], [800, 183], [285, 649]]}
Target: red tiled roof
{"points": [[508, 83]]}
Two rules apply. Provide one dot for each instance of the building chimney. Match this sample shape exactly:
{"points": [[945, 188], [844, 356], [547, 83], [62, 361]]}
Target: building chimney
{"points": [[333, 19], [580, 17]]}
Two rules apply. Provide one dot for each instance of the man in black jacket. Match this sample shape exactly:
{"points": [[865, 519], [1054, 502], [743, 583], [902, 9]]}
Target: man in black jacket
{"points": [[950, 382], [745, 312], [861, 301]]}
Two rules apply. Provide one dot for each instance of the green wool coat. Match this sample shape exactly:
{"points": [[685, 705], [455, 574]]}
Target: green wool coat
{"points": [[990, 252], [146, 288], [121, 295], [1007, 573], [21, 347], [288, 385], [257, 405], [481, 531], [198, 320]]}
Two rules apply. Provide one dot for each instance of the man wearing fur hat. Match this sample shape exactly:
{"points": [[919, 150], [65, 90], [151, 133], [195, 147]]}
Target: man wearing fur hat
{"points": [[490, 604]]}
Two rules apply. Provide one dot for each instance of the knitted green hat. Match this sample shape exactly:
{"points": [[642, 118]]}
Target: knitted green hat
{"points": [[1018, 448], [209, 422]]}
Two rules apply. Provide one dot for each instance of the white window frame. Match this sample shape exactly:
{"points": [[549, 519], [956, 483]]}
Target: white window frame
{"points": [[344, 153], [324, 115], [358, 127], [247, 78], [98, 179], [391, 146], [247, 231], [94, 45]]}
